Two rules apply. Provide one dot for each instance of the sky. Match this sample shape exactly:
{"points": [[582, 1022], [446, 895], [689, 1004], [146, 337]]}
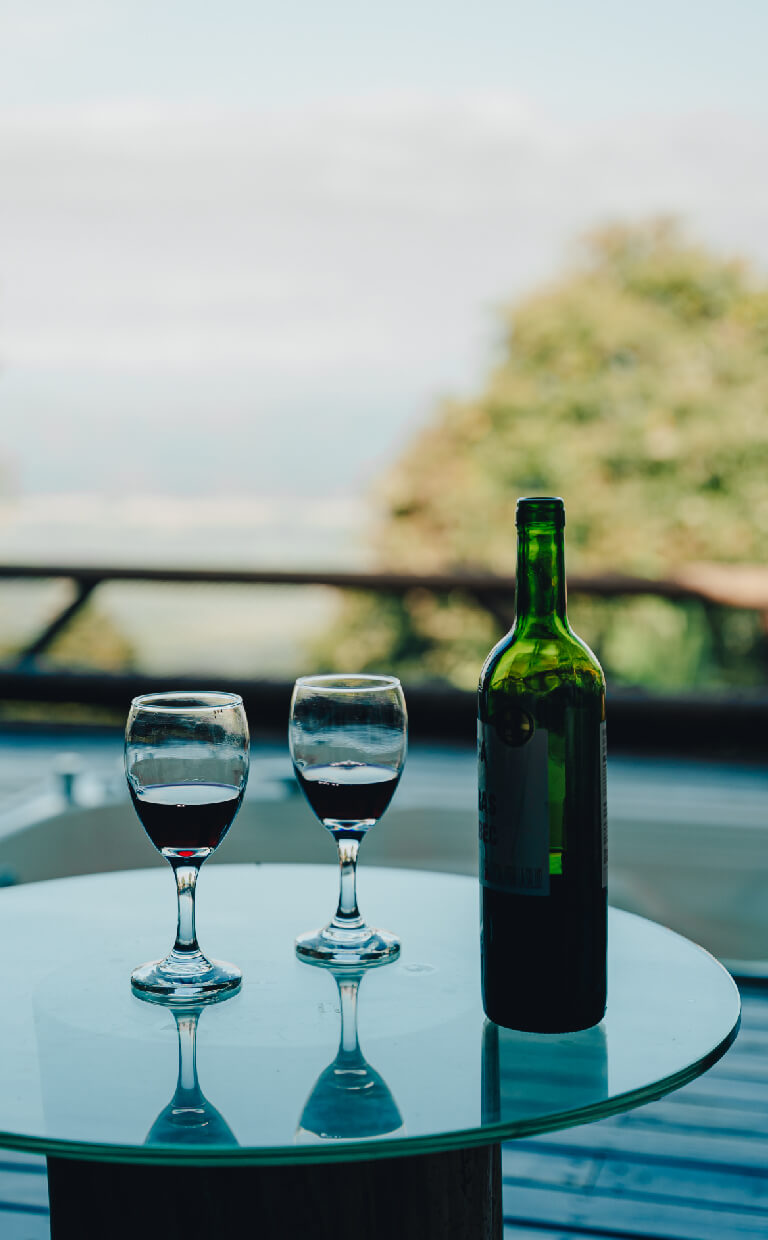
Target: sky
{"points": [[246, 249]]}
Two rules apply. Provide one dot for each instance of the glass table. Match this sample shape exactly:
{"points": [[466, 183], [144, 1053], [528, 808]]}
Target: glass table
{"points": [[315, 1104]]}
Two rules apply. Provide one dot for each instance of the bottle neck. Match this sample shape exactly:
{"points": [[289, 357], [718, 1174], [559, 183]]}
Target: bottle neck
{"points": [[540, 575]]}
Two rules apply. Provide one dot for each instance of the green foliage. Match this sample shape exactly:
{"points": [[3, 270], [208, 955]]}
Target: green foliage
{"points": [[636, 388], [91, 640]]}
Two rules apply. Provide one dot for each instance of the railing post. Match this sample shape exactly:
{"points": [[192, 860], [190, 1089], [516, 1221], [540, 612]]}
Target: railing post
{"points": [[83, 591]]}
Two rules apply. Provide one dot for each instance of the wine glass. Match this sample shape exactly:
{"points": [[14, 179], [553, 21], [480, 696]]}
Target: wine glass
{"points": [[348, 741], [186, 761]]}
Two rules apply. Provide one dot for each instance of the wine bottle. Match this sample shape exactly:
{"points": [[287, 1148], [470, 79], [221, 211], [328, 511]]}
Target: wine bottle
{"points": [[542, 808]]}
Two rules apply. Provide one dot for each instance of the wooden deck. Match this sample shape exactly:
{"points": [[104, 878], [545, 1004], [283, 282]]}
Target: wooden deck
{"points": [[693, 1166]]}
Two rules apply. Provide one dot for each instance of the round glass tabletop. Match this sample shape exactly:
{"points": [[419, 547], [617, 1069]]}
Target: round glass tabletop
{"points": [[302, 1065]]}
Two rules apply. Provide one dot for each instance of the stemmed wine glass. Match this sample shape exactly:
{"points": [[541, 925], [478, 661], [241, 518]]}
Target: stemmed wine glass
{"points": [[186, 761], [348, 741]]}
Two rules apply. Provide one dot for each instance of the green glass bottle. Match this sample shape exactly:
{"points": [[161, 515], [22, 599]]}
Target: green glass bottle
{"points": [[542, 808]]}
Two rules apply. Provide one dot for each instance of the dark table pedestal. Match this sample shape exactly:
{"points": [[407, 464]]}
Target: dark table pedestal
{"points": [[450, 1196]]}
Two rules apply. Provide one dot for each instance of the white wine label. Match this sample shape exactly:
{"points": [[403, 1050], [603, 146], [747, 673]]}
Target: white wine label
{"points": [[604, 798], [513, 785]]}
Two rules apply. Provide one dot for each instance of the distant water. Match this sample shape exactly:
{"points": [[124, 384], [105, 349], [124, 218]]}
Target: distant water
{"points": [[250, 631], [211, 531]]}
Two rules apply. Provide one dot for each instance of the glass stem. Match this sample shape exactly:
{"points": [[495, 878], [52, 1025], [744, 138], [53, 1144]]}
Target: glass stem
{"points": [[347, 914], [186, 881], [349, 1047], [186, 1025]]}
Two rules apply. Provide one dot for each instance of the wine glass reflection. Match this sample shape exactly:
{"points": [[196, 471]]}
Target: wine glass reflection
{"points": [[189, 1118], [350, 1100]]}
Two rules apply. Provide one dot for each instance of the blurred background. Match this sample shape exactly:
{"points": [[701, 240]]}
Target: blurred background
{"points": [[295, 301], [326, 288]]}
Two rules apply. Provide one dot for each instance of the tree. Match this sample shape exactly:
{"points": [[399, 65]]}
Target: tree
{"points": [[637, 388]]}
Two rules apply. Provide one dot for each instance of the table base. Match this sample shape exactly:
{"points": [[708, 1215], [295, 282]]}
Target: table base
{"points": [[450, 1196]]}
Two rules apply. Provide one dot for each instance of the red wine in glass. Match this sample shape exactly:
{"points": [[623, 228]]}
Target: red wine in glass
{"points": [[186, 818], [348, 736], [354, 792], [186, 761]]}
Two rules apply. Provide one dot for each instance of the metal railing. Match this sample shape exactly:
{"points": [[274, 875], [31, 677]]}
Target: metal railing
{"points": [[697, 723]]}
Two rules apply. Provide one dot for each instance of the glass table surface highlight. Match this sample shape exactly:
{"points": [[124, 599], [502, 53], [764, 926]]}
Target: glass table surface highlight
{"points": [[304, 1066]]}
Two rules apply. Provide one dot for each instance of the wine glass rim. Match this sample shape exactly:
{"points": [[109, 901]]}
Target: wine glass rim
{"points": [[338, 682], [185, 701]]}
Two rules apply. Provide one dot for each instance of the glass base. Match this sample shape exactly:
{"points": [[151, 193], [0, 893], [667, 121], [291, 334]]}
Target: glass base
{"points": [[191, 980], [340, 946]]}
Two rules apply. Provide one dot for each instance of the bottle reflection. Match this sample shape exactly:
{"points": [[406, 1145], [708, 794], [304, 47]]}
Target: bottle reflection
{"points": [[189, 1118], [527, 1075], [350, 1101]]}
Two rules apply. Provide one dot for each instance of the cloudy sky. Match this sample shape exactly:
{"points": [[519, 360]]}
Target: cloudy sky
{"points": [[245, 247]]}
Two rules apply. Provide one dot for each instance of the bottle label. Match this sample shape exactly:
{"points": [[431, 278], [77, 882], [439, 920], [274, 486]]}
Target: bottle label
{"points": [[604, 798], [513, 788]]}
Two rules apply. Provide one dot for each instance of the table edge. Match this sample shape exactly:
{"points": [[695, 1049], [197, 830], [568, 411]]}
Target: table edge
{"points": [[374, 1149]]}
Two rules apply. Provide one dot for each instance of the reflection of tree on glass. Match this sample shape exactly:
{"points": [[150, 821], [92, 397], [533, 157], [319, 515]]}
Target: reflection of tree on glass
{"points": [[348, 740], [189, 1118], [350, 1101]]}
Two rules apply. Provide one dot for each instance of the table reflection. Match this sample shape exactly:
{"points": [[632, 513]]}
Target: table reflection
{"points": [[350, 1100], [89, 1066], [530, 1074], [189, 1118]]}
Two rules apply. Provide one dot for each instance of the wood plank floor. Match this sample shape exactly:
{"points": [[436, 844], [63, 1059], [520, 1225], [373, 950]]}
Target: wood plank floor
{"points": [[693, 1166]]}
